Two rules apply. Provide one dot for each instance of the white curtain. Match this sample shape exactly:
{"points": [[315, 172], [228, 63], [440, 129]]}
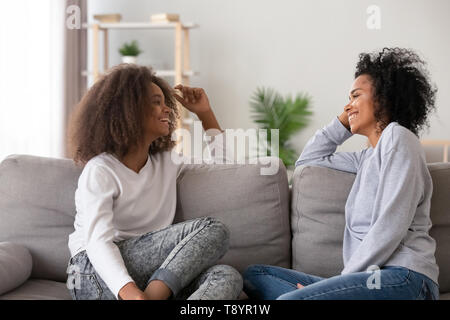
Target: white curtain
{"points": [[31, 77], [75, 62]]}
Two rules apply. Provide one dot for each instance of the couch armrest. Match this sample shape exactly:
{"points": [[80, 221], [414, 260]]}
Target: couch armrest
{"points": [[15, 266]]}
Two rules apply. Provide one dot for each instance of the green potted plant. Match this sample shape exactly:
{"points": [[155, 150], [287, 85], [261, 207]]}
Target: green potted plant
{"points": [[270, 110], [130, 51]]}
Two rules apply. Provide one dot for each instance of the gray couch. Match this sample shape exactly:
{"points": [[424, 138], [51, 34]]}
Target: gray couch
{"points": [[269, 224]]}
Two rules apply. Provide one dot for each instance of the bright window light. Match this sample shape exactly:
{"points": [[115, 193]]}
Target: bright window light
{"points": [[31, 77]]}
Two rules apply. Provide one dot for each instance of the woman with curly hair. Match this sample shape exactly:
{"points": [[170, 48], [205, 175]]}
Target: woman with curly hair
{"points": [[124, 245], [387, 212]]}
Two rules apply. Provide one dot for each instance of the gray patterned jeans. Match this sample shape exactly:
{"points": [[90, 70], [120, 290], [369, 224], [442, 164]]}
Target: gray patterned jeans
{"points": [[182, 255]]}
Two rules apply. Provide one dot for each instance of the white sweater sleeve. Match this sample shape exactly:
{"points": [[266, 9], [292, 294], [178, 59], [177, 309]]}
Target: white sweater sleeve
{"points": [[96, 191]]}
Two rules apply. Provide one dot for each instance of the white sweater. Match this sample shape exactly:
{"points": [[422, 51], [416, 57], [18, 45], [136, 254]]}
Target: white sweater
{"points": [[114, 203]]}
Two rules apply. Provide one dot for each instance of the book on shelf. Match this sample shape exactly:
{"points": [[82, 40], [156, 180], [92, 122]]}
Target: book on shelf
{"points": [[164, 17], [108, 18]]}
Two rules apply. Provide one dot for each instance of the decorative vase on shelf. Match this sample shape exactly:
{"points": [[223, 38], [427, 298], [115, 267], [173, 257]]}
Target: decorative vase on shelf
{"points": [[129, 59], [130, 52]]}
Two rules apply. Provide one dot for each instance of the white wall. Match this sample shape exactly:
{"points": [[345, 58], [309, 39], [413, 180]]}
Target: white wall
{"points": [[292, 46]]}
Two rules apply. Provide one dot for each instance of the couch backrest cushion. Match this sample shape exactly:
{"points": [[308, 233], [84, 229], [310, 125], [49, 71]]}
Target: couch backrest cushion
{"points": [[440, 216], [37, 209], [255, 208], [317, 219]]}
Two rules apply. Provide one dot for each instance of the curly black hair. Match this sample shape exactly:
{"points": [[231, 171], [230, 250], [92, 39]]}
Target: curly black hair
{"points": [[110, 116], [402, 88]]}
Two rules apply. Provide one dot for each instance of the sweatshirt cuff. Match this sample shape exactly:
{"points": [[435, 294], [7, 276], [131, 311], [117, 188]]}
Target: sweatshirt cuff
{"points": [[337, 131], [119, 284]]}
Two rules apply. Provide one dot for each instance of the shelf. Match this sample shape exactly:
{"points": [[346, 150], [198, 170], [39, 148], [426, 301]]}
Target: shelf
{"points": [[172, 73], [140, 25], [159, 73]]}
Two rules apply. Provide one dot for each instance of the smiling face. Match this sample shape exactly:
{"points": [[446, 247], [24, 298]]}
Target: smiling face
{"points": [[157, 124], [361, 109]]}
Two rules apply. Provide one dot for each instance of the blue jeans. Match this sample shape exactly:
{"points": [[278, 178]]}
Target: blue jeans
{"points": [[389, 283]]}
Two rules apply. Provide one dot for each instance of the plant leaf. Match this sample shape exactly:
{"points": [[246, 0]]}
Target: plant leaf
{"points": [[289, 115]]}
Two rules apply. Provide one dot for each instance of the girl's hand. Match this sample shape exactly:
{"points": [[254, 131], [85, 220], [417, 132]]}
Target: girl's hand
{"points": [[131, 292], [299, 286], [194, 99]]}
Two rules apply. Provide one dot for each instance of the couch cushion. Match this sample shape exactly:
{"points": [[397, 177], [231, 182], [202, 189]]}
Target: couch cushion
{"points": [[440, 216], [35, 289], [15, 265], [317, 219], [37, 210], [444, 296], [255, 208]]}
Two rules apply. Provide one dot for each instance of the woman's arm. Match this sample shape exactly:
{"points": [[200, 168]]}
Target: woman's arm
{"points": [[95, 194], [196, 101], [320, 149]]}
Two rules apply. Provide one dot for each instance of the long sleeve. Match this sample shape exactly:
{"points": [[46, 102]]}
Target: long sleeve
{"points": [[96, 189], [400, 191], [320, 149]]}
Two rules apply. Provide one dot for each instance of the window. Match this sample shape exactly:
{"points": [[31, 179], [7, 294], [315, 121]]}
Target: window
{"points": [[31, 77]]}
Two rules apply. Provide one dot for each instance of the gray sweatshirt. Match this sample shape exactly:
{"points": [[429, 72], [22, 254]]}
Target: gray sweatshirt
{"points": [[387, 213]]}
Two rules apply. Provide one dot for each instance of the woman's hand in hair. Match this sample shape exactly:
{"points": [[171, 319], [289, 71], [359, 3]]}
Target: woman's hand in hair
{"points": [[343, 118], [193, 99], [196, 101]]}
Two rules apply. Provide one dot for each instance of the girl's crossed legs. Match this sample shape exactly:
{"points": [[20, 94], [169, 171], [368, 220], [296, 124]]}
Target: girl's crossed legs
{"points": [[182, 255]]}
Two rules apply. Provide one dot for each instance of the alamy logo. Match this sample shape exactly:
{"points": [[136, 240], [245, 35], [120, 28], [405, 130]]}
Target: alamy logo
{"points": [[374, 19], [74, 20], [374, 280], [73, 280], [252, 146]]}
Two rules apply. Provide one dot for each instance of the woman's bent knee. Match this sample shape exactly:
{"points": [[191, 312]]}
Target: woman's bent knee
{"points": [[254, 269]]}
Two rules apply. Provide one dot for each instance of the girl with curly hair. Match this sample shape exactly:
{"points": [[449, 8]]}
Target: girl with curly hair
{"points": [[124, 245], [387, 212]]}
